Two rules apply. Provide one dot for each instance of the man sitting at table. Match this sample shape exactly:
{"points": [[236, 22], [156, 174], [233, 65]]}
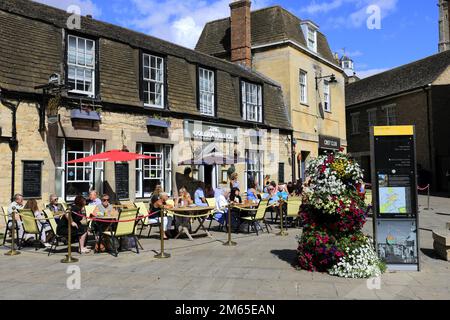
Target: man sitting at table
{"points": [[55, 207], [199, 196], [93, 199]]}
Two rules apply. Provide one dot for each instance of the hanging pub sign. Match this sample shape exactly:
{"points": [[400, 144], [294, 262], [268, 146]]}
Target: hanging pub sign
{"points": [[32, 179], [395, 208], [122, 180]]}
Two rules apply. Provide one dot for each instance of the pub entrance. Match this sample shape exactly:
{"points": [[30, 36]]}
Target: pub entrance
{"points": [[208, 174]]}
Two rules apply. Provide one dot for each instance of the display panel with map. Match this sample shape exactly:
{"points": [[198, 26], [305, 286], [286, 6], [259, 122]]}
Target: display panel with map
{"points": [[394, 200]]}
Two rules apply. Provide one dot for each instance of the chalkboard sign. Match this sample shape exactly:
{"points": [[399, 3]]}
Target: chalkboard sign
{"points": [[32, 179], [122, 179]]}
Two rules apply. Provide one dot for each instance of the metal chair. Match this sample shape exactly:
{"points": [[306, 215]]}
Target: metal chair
{"points": [[124, 229], [51, 219], [30, 226], [253, 220]]}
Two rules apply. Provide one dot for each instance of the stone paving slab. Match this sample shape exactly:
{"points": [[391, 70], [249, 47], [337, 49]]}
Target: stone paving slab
{"points": [[259, 267]]}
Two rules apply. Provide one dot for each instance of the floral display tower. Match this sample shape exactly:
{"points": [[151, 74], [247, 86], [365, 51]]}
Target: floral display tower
{"points": [[333, 214]]}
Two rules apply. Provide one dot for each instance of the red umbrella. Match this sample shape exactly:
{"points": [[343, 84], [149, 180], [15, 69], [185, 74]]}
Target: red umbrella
{"points": [[113, 156]]}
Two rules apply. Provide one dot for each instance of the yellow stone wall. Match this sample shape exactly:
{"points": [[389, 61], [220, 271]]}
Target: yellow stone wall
{"points": [[283, 65], [116, 129]]}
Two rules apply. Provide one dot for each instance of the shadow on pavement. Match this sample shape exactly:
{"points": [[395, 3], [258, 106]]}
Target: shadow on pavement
{"points": [[430, 253], [286, 255]]}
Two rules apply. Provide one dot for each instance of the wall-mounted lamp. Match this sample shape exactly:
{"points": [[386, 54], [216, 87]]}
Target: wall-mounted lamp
{"points": [[332, 80]]}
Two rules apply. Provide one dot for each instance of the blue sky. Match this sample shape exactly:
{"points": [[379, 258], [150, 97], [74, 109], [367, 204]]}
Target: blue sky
{"points": [[409, 28]]}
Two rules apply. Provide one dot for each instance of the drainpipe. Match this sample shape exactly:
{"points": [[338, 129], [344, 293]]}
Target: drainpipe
{"points": [[293, 158], [427, 90], [13, 141]]}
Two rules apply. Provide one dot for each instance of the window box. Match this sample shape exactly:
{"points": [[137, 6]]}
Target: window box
{"points": [[77, 114], [155, 122]]}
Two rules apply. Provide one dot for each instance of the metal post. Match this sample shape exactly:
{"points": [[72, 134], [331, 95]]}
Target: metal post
{"points": [[229, 242], [162, 254], [428, 199], [280, 210], [13, 252], [68, 258]]}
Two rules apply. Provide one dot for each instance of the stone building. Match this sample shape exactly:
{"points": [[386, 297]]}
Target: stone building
{"points": [[414, 94], [444, 25], [297, 55], [113, 88]]}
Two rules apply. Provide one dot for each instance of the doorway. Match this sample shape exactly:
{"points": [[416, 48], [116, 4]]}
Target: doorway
{"points": [[208, 174]]}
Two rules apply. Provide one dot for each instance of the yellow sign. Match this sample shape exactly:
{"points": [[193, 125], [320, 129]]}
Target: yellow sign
{"points": [[393, 131]]}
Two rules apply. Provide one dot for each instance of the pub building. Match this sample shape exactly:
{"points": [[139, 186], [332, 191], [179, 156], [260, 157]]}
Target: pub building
{"points": [[70, 90]]}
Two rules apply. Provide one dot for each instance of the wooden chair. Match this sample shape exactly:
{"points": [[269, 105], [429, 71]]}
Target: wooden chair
{"points": [[30, 226], [8, 228], [51, 219], [123, 229]]}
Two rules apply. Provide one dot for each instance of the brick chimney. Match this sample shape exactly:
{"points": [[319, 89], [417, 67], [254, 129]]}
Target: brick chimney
{"points": [[241, 41]]}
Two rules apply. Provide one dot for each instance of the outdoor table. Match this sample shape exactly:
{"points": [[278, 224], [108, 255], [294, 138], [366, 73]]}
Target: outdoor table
{"points": [[192, 211]]}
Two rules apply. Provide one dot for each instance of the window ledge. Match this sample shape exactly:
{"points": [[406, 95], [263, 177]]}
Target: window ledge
{"points": [[305, 104], [84, 115]]}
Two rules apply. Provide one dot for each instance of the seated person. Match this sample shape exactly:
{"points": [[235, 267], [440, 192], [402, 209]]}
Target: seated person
{"points": [[54, 206], [221, 205], [236, 198], [105, 208], [199, 196], [78, 229], [93, 199], [251, 192], [209, 192], [17, 204], [184, 198], [158, 203], [42, 224], [235, 195]]}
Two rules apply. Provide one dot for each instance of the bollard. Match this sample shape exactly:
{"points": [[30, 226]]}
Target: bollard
{"points": [[162, 254], [280, 210], [229, 242], [68, 258], [428, 199], [13, 251]]}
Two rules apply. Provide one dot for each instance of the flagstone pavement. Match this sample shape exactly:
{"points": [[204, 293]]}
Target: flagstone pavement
{"points": [[259, 267]]}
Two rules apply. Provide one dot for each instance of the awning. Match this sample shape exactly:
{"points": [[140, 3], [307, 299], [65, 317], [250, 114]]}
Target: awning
{"points": [[152, 122], [112, 156], [84, 115]]}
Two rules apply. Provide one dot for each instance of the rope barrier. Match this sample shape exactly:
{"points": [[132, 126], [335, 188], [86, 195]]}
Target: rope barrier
{"points": [[115, 220], [190, 216], [424, 188]]}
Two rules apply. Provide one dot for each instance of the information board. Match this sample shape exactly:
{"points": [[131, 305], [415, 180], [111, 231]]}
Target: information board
{"points": [[394, 180], [122, 175], [32, 179]]}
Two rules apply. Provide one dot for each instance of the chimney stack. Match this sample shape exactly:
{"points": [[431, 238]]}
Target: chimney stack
{"points": [[241, 41]]}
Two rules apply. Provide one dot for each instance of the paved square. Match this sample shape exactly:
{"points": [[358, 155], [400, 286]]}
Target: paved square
{"points": [[259, 267]]}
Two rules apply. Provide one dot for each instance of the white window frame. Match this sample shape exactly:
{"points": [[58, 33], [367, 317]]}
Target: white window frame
{"points": [[391, 117], [303, 79], [163, 165], [206, 83], [326, 96], [354, 118], [81, 67], [311, 39], [252, 107], [157, 81], [256, 156], [371, 118]]}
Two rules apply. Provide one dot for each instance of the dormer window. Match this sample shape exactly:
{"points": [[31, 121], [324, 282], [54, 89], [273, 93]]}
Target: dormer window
{"points": [[310, 32], [312, 39]]}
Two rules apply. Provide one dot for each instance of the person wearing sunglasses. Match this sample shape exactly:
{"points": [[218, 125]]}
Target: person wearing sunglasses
{"points": [[105, 208]]}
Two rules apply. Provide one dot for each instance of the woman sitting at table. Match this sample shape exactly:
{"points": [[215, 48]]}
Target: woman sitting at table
{"points": [[158, 203], [235, 198], [102, 210], [78, 229], [43, 224], [184, 198]]}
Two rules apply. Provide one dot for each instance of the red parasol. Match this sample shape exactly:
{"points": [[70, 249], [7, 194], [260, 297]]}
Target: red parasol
{"points": [[113, 156]]}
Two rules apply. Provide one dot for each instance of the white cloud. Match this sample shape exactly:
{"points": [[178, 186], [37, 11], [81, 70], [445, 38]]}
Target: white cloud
{"points": [[370, 72], [86, 6], [178, 21]]}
